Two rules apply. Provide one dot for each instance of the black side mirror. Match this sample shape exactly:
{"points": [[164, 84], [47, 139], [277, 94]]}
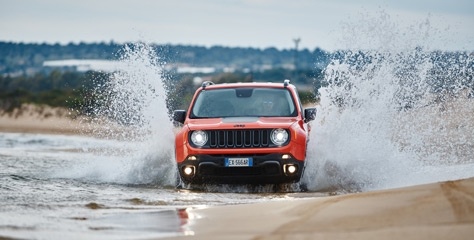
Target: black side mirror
{"points": [[179, 115], [309, 114]]}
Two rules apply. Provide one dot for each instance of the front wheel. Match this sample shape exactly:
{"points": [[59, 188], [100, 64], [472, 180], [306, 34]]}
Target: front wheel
{"points": [[287, 187], [302, 187]]}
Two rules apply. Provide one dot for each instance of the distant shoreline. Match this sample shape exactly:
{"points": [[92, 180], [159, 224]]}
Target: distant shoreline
{"points": [[31, 118]]}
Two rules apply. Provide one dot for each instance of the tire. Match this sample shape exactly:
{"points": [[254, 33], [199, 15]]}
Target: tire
{"points": [[302, 187]]}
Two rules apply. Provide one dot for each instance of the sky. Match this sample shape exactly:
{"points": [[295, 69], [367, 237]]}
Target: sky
{"points": [[330, 25]]}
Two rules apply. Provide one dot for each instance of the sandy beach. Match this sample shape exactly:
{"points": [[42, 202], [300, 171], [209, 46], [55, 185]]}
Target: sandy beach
{"points": [[432, 211], [39, 119], [50, 125], [442, 210], [47, 120]]}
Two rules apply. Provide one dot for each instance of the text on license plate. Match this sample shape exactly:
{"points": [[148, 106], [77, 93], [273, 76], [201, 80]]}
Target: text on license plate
{"points": [[238, 162]]}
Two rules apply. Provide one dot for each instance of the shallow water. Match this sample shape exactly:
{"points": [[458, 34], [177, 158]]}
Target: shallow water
{"points": [[59, 187], [70, 187]]}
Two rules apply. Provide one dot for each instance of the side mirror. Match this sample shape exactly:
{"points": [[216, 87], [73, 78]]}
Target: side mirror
{"points": [[309, 114], [179, 115]]}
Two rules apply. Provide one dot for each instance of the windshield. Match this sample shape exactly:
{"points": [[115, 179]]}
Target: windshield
{"points": [[244, 102]]}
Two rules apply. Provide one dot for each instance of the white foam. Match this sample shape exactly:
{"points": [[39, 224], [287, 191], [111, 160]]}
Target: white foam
{"points": [[135, 96], [378, 125]]}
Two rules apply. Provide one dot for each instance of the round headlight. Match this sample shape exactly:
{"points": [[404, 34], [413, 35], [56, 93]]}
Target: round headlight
{"points": [[279, 136], [199, 138]]}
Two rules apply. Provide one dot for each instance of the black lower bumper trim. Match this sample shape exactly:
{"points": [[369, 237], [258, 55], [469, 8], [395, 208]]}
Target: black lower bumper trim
{"points": [[266, 169]]}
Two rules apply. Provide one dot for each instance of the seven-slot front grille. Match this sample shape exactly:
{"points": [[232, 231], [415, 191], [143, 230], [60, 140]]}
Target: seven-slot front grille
{"points": [[251, 138]]}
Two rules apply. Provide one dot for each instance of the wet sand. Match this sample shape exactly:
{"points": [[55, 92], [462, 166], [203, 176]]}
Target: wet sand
{"points": [[432, 211]]}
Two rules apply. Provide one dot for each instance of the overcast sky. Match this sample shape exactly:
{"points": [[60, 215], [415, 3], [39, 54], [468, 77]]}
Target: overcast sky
{"points": [[244, 23]]}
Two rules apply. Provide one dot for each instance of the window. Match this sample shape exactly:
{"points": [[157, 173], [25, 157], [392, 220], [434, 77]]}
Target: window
{"points": [[244, 102]]}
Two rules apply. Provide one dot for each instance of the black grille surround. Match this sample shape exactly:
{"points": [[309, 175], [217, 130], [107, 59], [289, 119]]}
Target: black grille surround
{"points": [[239, 138]]}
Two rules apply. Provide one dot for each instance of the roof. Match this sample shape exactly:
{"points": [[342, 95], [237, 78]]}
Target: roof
{"points": [[210, 85]]}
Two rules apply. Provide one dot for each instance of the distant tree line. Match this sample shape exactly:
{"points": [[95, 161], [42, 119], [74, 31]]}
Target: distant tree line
{"points": [[58, 89], [78, 90], [28, 58], [23, 79]]}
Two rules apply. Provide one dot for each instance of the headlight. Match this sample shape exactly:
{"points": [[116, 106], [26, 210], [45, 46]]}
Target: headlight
{"points": [[279, 136], [199, 138]]}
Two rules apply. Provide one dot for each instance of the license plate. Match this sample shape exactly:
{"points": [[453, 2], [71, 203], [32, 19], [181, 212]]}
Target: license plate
{"points": [[238, 162]]}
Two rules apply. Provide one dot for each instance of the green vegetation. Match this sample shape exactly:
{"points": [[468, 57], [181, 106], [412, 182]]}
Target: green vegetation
{"points": [[56, 89], [24, 79], [77, 91]]}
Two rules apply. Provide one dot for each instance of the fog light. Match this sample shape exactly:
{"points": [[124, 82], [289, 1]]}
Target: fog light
{"points": [[192, 158], [285, 156], [290, 169], [188, 170]]}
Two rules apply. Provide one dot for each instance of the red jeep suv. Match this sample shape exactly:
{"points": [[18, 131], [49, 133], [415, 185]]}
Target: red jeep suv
{"points": [[243, 133]]}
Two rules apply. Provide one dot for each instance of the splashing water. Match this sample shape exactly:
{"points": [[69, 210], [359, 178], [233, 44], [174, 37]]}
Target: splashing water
{"points": [[135, 97], [396, 115], [392, 116]]}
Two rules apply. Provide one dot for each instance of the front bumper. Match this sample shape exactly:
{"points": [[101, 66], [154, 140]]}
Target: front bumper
{"points": [[266, 169]]}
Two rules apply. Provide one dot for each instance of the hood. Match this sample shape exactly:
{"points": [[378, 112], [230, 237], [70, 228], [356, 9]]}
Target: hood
{"points": [[241, 123]]}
